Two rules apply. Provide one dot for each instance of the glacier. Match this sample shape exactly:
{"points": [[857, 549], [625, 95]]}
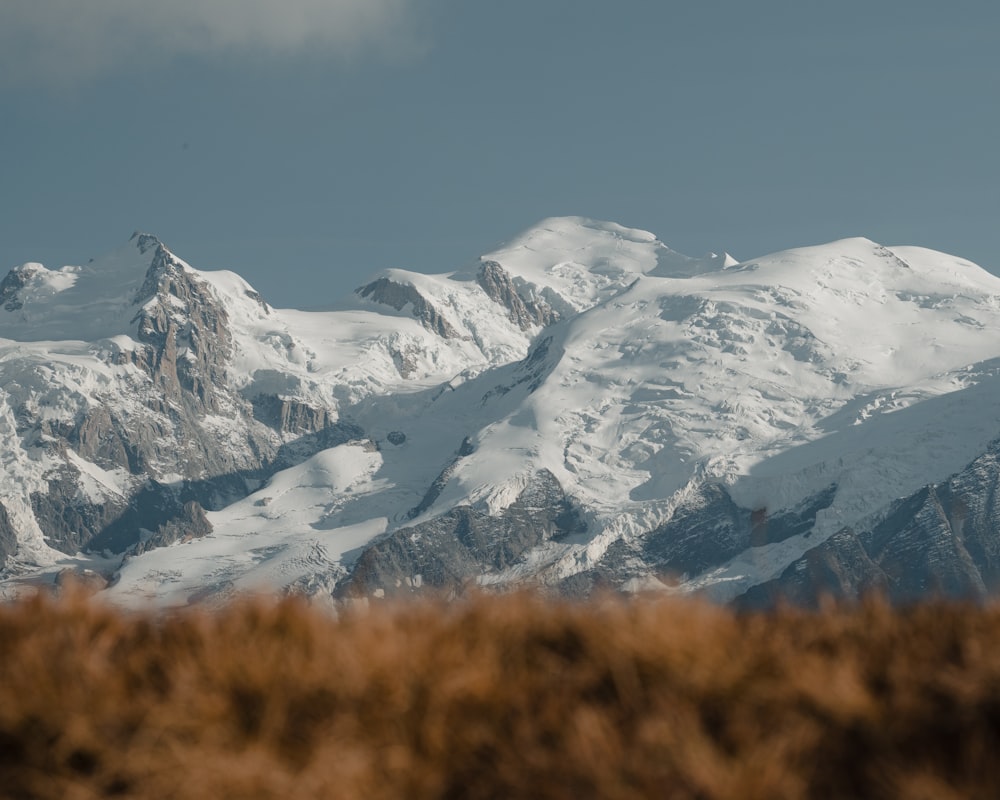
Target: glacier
{"points": [[581, 409]]}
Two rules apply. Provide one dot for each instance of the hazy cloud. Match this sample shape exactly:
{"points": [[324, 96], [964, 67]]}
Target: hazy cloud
{"points": [[69, 41]]}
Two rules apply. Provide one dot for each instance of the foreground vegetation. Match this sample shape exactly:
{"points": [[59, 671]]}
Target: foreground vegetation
{"points": [[499, 698]]}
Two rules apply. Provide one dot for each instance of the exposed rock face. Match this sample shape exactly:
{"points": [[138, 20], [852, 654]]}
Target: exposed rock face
{"points": [[452, 550], [615, 569], [8, 537], [941, 540], [70, 522], [186, 347], [704, 532], [400, 295], [287, 415], [73, 523], [840, 567], [525, 311], [710, 529], [188, 334], [98, 438], [299, 449], [531, 371], [156, 505], [190, 524], [435, 489], [403, 358], [13, 282]]}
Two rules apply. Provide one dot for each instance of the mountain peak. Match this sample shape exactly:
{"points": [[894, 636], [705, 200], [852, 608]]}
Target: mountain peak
{"points": [[145, 242], [87, 302], [678, 416]]}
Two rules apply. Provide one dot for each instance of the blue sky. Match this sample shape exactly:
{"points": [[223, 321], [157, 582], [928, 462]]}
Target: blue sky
{"points": [[309, 143]]}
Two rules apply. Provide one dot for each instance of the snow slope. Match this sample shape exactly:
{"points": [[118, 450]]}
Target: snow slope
{"points": [[849, 364]]}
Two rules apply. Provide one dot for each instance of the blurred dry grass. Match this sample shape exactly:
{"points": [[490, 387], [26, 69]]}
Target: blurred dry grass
{"points": [[499, 698]]}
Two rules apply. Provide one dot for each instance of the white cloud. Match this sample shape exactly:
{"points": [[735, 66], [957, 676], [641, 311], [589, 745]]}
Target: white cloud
{"points": [[71, 41]]}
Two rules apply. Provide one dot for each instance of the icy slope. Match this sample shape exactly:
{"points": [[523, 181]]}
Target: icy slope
{"points": [[404, 331], [847, 365], [711, 375], [582, 407], [140, 367], [275, 537]]}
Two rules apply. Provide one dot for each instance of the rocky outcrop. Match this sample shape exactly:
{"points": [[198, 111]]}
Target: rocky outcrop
{"points": [[709, 529], [399, 295], [616, 568], [453, 550], [838, 568], [187, 333], [525, 310], [163, 512], [181, 379], [287, 415], [404, 359], [942, 540], [97, 438], [190, 524], [69, 520], [73, 522], [11, 285], [467, 448], [154, 413], [530, 371], [307, 445], [8, 537], [921, 554]]}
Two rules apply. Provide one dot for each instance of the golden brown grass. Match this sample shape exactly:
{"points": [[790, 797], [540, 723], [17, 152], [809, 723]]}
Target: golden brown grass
{"points": [[499, 698]]}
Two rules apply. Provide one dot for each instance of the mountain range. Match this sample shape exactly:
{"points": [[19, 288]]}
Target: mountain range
{"points": [[582, 409]]}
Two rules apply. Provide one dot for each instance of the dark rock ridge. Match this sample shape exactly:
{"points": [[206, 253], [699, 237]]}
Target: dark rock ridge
{"points": [[399, 295], [530, 371], [710, 529], [524, 310], [187, 333], [191, 523], [186, 347], [618, 565], [704, 532], [8, 538], [307, 445], [451, 551], [70, 523], [156, 507], [288, 415], [838, 568], [11, 285], [467, 448], [942, 540]]}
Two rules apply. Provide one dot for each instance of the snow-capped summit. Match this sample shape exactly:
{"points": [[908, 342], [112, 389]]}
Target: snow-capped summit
{"points": [[88, 302], [584, 407]]}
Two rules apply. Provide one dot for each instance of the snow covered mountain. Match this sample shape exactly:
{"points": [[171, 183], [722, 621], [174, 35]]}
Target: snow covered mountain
{"points": [[584, 408]]}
